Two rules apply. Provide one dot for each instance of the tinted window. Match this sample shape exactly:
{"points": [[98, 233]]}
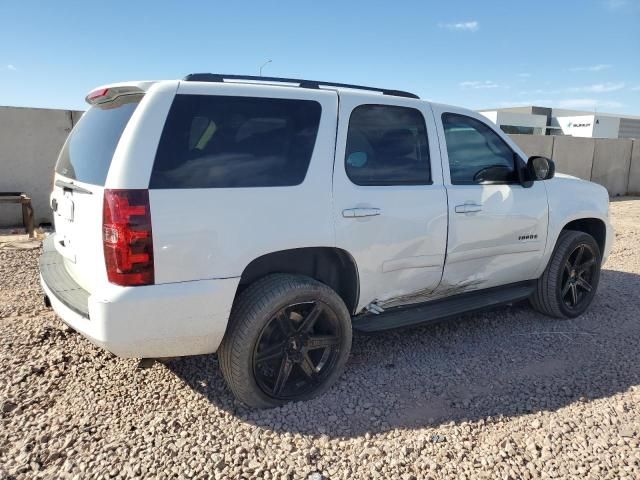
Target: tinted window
{"points": [[86, 155], [387, 145], [226, 142], [476, 153], [515, 129]]}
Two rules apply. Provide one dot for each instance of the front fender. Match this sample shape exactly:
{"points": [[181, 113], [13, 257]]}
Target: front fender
{"points": [[573, 199]]}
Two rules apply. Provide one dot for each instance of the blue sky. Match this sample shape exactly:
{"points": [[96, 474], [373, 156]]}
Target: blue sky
{"points": [[476, 54]]}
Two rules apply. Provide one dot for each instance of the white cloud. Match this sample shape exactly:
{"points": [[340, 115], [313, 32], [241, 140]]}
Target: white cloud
{"points": [[567, 103], [636, 88], [594, 88], [541, 91], [478, 84], [587, 104], [471, 26], [523, 103], [524, 75], [11, 67], [599, 87], [616, 4], [591, 68]]}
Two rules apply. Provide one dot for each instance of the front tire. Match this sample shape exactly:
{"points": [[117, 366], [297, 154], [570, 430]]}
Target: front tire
{"points": [[288, 339], [569, 283]]}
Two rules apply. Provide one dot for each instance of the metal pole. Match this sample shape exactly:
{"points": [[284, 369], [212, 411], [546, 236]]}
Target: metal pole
{"points": [[263, 65]]}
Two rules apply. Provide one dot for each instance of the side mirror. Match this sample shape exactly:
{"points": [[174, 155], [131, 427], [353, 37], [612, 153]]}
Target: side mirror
{"points": [[540, 168]]}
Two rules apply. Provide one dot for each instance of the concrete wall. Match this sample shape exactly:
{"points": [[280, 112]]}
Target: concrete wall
{"points": [[574, 156], [633, 186], [30, 139], [535, 144], [611, 162]]}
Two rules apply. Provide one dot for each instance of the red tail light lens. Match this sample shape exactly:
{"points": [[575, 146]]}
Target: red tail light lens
{"points": [[126, 237], [97, 94]]}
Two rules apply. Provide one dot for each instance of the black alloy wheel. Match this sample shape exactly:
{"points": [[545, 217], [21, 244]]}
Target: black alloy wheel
{"points": [[288, 339], [569, 283], [296, 350], [577, 276]]}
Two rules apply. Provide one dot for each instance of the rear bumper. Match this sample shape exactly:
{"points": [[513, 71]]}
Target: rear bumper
{"points": [[167, 320]]}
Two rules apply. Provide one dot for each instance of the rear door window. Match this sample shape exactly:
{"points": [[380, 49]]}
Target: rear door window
{"points": [[87, 153], [212, 141], [387, 145]]}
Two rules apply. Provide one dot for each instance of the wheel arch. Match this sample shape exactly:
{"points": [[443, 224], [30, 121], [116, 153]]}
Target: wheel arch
{"points": [[332, 266], [593, 226]]}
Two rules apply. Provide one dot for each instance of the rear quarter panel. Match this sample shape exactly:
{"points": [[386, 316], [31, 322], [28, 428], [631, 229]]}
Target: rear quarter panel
{"points": [[133, 159]]}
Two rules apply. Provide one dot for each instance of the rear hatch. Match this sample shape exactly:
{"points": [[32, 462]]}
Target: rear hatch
{"points": [[80, 176]]}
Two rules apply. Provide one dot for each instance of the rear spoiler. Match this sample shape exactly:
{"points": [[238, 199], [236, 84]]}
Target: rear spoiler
{"points": [[108, 93]]}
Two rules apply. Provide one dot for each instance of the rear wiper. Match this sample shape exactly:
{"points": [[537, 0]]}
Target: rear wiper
{"points": [[72, 186]]}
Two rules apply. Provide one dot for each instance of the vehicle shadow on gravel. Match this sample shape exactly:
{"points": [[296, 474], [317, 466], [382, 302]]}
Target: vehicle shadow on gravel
{"points": [[502, 363]]}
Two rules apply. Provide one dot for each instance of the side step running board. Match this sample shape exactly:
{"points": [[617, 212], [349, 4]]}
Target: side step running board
{"points": [[437, 310]]}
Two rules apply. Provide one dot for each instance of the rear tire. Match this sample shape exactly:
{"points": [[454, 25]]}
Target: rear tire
{"points": [[288, 339], [569, 283]]}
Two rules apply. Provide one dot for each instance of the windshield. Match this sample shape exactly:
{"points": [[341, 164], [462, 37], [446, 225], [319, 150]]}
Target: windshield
{"points": [[86, 155]]}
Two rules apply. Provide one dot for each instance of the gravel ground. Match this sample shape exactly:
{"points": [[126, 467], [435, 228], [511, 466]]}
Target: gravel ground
{"points": [[504, 394]]}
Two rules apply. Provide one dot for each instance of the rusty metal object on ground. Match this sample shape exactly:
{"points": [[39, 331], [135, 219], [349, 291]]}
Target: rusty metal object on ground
{"points": [[27, 209]]}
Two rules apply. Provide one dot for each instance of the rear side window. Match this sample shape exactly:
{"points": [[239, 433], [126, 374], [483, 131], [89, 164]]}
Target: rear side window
{"points": [[87, 153], [387, 145], [232, 142]]}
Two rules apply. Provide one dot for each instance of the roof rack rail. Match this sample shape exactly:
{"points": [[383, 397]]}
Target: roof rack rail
{"points": [[219, 77]]}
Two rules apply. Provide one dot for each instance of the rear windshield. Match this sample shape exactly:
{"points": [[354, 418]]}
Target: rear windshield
{"points": [[87, 153], [231, 142]]}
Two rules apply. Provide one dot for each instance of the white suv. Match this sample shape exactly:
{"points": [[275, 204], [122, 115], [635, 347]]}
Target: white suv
{"points": [[265, 218]]}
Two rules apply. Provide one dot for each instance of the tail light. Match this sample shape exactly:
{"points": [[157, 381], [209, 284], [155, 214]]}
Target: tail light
{"points": [[96, 95], [126, 237]]}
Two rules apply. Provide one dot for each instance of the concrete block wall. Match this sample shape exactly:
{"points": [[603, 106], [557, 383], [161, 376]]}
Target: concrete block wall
{"points": [[574, 156], [613, 163], [633, 187], [535, 144], [30, 139]]}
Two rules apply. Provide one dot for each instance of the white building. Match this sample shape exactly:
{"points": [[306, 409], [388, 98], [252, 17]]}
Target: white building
{"points": [[596, 126], [515, 122], [533, 120]]}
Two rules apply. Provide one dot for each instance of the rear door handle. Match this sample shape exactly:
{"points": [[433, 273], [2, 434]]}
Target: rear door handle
{"points": [[468, 208], [361, 212]]}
